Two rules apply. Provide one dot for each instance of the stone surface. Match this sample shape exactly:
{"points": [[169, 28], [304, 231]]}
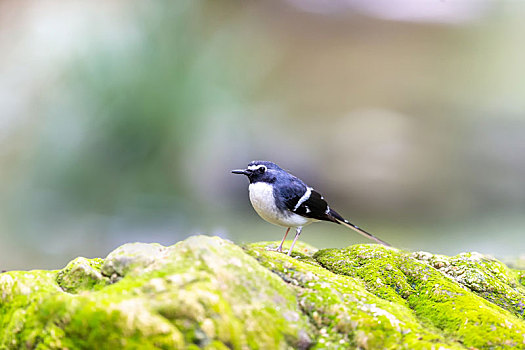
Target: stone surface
{"points": [[206, 292]]}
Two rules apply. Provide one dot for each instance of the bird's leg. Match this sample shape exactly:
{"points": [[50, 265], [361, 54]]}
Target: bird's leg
{"points": [[297, 233], [280, 249]]}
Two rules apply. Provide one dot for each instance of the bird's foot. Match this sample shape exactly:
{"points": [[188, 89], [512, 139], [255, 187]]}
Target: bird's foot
{"points": [[279, 249]]}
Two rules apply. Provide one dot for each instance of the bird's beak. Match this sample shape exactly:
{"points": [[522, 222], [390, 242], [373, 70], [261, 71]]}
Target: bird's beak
{"points": [[241, 172]]}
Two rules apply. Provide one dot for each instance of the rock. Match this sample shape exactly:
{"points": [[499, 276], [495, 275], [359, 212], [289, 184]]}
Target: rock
{"points": [[81, 274], [208, 293]]}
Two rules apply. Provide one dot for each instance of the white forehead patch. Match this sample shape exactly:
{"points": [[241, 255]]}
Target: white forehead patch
{"points": [[256, 167]]}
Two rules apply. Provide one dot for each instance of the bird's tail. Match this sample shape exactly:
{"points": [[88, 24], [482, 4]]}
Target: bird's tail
{"points": [[361, 231]]}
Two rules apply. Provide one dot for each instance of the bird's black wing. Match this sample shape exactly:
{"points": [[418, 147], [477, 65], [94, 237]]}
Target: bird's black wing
{"points": [[315, 207], [305, 201], [302, 200]]}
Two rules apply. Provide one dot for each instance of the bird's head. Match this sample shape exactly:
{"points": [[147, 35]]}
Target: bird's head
{"points": [[260, 171]]}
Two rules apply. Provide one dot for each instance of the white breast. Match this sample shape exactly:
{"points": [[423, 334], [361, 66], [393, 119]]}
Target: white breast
{"points": [[263, 201]]}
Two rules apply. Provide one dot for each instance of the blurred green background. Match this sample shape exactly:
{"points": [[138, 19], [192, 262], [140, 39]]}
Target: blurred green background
{"points": [[121, 120]]}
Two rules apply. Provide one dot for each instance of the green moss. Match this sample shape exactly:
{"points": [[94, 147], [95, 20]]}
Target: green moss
{"points": [[485, 276], [344, 313], [436, 299], [203, 292], [207, 293], [520, 276], [82, 274]]}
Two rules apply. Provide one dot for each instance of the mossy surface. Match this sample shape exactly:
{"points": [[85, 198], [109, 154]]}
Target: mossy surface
{"points": [[208, 293], [344, 313], [470, 299], [203, 293]]}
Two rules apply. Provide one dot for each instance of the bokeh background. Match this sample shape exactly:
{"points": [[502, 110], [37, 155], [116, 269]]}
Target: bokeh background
{"points": [[121, 120]]}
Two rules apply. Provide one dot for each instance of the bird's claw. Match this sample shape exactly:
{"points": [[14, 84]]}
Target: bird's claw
{"points": [[279, 249]]}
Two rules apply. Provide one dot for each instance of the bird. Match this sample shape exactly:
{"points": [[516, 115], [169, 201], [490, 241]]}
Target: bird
{"points": [[284, 200]]}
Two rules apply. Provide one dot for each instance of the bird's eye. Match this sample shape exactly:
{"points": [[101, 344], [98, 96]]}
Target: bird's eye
{"points": [[262, 169]]}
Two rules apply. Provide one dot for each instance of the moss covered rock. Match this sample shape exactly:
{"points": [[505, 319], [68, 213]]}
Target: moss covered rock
{"points": [[208, 293]]}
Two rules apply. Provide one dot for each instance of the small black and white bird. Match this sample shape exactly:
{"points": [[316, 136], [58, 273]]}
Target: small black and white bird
{"points": [[284, 200]]}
